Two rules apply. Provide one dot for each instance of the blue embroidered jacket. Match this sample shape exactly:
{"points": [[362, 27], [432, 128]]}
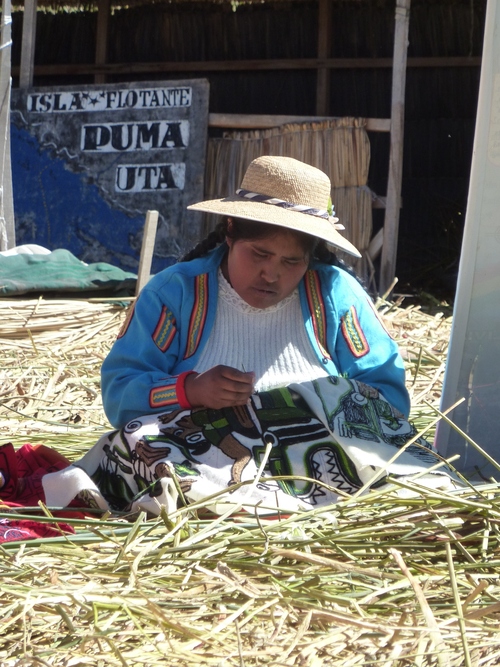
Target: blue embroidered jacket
{"points": [[174, 315]]}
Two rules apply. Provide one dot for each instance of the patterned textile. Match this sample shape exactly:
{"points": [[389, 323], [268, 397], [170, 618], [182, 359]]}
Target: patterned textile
{"points": [[312, 442], [16, 530], [273, 201]]}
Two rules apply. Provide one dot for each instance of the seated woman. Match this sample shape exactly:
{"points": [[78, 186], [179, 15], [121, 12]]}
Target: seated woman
{"points": [[257, 349], [268, 306]]}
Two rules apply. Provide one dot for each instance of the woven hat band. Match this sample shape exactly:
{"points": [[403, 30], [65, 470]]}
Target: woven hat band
{"points": [[264, 199]]}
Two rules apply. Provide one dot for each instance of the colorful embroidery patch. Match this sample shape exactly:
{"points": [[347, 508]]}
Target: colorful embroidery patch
{"points": [[127, 320], [317, 309], [353, 334], [160, 397], [198, 314], [165, 330]]}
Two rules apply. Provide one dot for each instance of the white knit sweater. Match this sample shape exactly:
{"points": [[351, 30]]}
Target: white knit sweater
{"points": [[271, 342]]}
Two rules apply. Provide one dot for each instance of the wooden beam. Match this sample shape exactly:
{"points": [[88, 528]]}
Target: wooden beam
{"points": [[263, 121], [28, 40], [391, 221], [243, 65], [323, 72], [7, 226], [101, 46], [375, 247], [147, 250], [378, 124]]}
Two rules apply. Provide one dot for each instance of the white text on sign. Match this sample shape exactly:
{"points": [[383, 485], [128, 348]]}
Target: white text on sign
{"points": [[150, 177], [119, 137]]}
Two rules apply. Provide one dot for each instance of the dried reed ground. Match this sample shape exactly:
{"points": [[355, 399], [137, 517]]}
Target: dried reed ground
{"points": [[373, 580]]}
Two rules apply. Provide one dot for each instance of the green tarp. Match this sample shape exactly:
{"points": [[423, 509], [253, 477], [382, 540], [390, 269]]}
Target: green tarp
{"points": [[59, 272]]}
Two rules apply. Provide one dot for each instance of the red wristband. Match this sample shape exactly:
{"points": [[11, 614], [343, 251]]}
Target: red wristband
{"points": [[180, 389]]}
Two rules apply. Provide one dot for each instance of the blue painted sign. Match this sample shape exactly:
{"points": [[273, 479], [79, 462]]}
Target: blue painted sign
{"points": [[87, 163]]}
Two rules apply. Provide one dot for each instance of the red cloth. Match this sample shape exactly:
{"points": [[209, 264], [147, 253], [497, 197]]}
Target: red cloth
{"points": [[13, 530], [22, 473], [23, 470]]}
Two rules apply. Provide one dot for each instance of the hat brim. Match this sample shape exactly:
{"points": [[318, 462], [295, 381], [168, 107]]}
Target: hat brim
{"points": [[240, 207]]}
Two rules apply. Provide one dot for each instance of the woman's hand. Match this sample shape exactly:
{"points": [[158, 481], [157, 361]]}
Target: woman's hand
{"points": [[219, 387]]}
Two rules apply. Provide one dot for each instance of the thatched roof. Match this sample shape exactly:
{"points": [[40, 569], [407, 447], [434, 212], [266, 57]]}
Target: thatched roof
{"points": [[86, 5], [92, 5]]}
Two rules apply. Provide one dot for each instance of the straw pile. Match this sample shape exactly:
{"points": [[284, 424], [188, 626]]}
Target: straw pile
{"points": [[373, 580]]}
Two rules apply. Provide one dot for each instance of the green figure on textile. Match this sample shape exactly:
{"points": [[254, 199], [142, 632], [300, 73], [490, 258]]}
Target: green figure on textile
{"points": [[144, 465], [284, 428], [110, 476], [362, 414]]}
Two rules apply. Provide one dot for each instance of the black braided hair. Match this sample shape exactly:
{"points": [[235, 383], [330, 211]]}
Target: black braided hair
{"points": [[323, 254], [213, 239]]}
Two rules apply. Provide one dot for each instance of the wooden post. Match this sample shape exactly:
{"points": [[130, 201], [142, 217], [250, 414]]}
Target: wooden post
{"points": [[391, 222], [323, 72], [147, 249], [7, 228], [101, 46], [28, 44]]}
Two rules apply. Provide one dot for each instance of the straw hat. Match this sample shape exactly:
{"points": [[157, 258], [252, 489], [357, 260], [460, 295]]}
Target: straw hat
{"points": [[285, 192]]}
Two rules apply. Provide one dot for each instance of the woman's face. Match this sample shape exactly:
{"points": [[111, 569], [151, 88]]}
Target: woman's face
{"points": [[265, 271]]}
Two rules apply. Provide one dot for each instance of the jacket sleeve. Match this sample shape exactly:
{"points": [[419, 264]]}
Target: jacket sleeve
{"points": [[364, 349], [137, 375]]}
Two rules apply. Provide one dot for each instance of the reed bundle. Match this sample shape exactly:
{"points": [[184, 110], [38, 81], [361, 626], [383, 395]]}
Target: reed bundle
{"points": [[381, 579]]}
